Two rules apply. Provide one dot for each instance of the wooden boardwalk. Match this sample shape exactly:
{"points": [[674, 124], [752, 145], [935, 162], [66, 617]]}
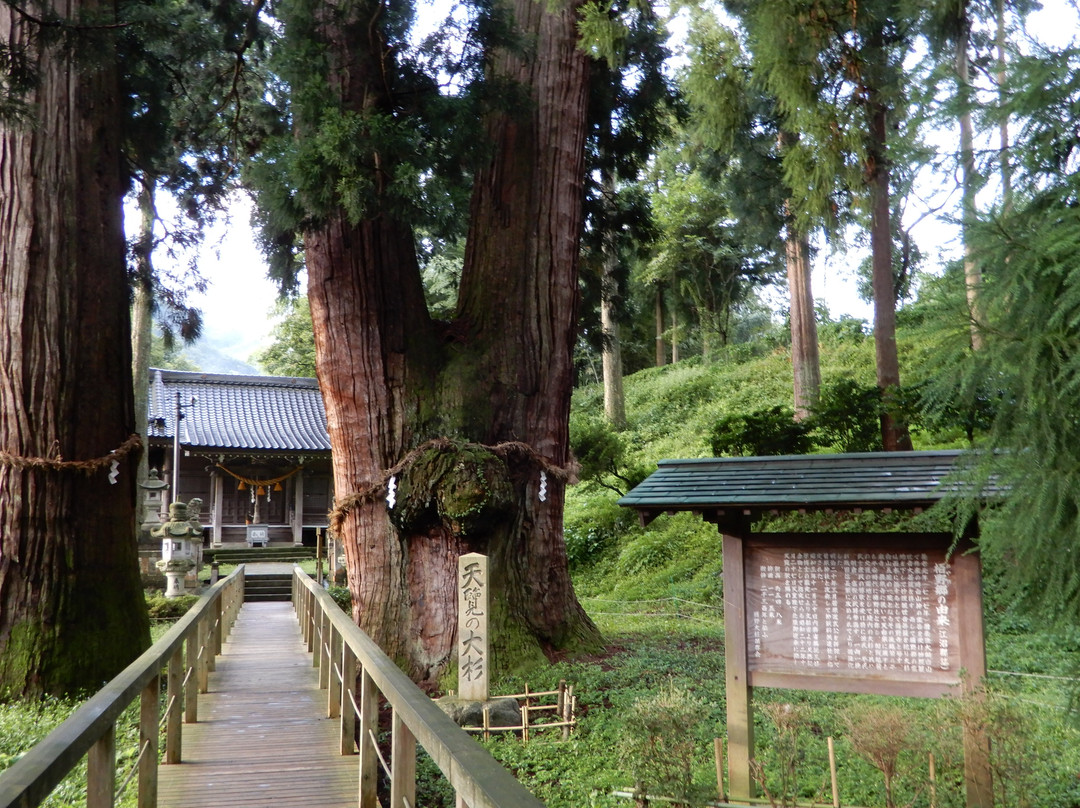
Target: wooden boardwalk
{"points": [[262, 738]]}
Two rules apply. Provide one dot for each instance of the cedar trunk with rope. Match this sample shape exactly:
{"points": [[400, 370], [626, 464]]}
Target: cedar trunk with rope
{"points": [[467, 421], [72, 613]]}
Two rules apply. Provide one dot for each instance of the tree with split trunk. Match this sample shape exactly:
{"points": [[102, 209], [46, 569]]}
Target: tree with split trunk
{"points": [[463, 423], [72, 613]]}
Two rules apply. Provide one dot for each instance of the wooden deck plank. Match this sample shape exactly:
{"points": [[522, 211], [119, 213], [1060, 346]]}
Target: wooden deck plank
{"points": [[262, 738]]}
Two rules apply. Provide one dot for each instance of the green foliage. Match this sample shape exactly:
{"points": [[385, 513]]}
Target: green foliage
{"points": [[593, 528], [342, 597], [166, 354], [602, 453], [661, 734], [163, 608], [765, 432], [847, 416], [292, 352]]}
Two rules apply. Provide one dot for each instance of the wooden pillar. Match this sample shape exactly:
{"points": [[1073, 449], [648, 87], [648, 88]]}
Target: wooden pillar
{"points": [[333, 698], [967, 578], [217, 508], [101, 771], [740, 714], [369, 723], [173, 731], [148, 744], [402, 763], [298, 509], [348, 711]]}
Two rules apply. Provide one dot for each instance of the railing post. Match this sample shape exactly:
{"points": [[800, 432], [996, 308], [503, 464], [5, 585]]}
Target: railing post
{"points": [[219, 617], [402, 765], [348, 712], [174, 716], [191, 676], [202, 664], [101, 771], [324, 649], [369, 760], [148, 744], [310, 622], [333, 695]]}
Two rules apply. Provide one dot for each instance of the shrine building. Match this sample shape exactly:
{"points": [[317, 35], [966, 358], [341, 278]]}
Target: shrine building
{"points": [[254, 449]]}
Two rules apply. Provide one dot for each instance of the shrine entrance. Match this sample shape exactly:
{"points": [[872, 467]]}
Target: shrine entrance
{"points": [[886, 613]]}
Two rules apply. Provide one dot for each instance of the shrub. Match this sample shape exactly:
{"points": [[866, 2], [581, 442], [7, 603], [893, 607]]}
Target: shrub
{"points": [[342, 597], [601, 452], [660, 735], [163, 608], [847, 416], [772, 431]]}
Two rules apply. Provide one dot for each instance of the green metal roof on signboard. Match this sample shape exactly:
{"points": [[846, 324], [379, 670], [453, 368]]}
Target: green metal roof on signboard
{"points": [[817, 482]]}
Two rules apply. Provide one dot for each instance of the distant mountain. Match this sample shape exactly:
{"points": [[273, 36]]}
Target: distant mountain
{"points": [[208, 358]]}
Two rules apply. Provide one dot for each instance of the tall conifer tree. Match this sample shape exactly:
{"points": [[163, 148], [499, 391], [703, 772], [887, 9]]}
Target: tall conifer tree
{"points": [[72, 613]]}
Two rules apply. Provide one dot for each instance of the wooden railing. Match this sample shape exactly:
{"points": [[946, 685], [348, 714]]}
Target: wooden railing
{"points": [[90, 732], [343, 653]]}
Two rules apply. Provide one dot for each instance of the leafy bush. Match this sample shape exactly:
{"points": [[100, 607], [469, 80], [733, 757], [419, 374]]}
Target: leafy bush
{"points": [[593, 528], [772, 431], [163, 608], [660, 735], [602, 454], [847, 416], [342, 597]]}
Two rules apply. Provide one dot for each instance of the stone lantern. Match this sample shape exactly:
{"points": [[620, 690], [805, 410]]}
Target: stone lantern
{"points": [[177, 558], [152, 501]]}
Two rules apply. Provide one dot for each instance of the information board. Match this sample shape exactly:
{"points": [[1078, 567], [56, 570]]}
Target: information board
{"points": [[852, 612]]}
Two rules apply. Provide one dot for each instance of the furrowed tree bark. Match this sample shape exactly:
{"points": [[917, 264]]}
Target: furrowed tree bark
{"points": [[894, 433], [72, 613], [438, 403]]}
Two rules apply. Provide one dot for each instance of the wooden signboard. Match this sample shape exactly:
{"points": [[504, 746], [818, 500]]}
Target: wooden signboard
{"points": [[894, 614]]}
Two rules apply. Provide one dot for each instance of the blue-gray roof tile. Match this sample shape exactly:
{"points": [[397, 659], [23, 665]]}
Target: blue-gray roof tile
{"points": [[258, 413]]}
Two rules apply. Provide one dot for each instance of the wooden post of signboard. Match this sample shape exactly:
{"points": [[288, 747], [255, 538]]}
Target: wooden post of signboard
{"points": [[740, 719], [967, 578]]}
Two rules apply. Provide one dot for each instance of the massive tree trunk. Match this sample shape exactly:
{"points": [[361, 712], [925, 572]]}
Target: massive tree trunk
{"points": [[894, 433], [469, 418], [71, 607]]}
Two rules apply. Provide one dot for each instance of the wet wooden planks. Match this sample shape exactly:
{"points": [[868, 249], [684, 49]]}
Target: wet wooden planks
{"points": [[262, 738]]}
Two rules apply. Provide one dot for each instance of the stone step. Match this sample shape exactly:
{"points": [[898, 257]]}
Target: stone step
{"points": [[268, 587]]}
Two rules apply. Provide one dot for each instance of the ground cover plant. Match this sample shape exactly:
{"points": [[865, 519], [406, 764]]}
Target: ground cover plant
{"points": [[658, 667]]}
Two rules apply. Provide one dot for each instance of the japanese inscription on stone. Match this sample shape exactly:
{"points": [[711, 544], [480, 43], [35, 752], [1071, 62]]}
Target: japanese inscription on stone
{"points": [[473, 656], [852, 612]]}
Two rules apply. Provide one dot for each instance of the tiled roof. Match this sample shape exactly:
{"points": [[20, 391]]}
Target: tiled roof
{"points": [[264, 413], [839, 481]]}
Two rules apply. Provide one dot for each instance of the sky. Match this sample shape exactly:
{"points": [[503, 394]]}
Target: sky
{"points": [[237, 305]]}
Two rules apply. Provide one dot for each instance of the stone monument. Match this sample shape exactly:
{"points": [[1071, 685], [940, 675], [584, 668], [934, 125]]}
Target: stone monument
{"points": [[473, 657]]}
